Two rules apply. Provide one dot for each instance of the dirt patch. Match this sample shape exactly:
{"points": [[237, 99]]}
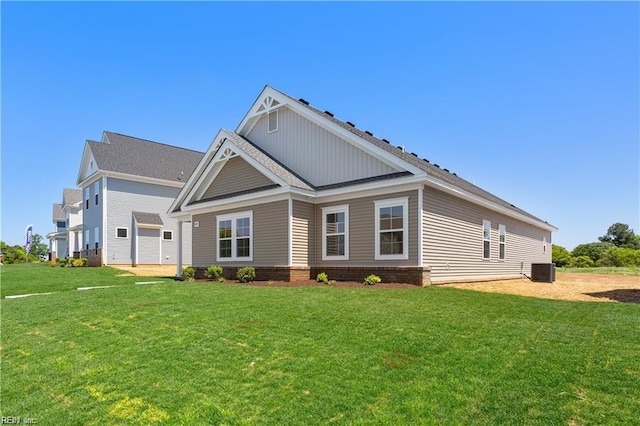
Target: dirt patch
{"points": [[568, 286], [147, 270]]}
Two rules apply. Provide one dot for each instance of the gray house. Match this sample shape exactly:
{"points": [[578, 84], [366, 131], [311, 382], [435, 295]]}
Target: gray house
{"points": [[127, 186], [58, 242], [67, 218], [294, 191]]}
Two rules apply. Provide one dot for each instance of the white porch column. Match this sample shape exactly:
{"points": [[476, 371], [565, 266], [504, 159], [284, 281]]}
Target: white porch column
{"points": [[179, 251]]}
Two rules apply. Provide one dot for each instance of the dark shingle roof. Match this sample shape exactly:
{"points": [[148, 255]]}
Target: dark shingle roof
{"points": [[71, 196], [58, 214], [430, 169], [143, 218], [134, 156]]}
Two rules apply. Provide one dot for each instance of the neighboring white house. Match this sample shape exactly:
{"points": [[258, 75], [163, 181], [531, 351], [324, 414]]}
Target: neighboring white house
{"points": [[72, 209], [293, 191], [127, 186], [58, 239]]}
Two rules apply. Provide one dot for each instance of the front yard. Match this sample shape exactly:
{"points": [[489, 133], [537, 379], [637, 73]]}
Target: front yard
{"points": [[204, 353]]}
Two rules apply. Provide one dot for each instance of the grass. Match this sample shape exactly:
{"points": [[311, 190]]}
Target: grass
{"points": [[41, 278], [196, 353], [622, 270]]}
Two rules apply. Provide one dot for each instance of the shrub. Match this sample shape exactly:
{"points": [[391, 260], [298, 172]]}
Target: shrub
{"points": [[246, 274], [322, 278], [560, 256], [77, 263], [593, 250], [581, 262], [372, 280], [52, 263], [62, 262], [620, 256], [213, 272], [189, 273]]}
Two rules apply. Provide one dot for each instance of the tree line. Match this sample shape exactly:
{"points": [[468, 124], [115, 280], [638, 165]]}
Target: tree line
{"points": [[620, 246], [16, 254]]}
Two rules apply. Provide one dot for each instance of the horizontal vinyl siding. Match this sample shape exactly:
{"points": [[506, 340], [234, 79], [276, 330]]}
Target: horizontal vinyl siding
{"points": [[362, 232], [148, 246], [236, 175], [309, 149], [125, 197], [303, 233], [270, 236], [453, 244]]}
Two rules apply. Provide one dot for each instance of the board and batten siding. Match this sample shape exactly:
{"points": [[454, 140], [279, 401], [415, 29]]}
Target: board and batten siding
{"points": [[314, 153], [303, 231], [362, 233], [125, 197], [270, 236], [453, 241], [236, 175]]}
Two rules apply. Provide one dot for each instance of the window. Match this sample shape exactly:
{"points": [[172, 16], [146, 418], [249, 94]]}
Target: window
{"points": [[486, 239], [86, 197], [335, 233], [544, 244], [61, 225], [86, 241], [122, 232], [273, 121], [167, 235], [502, 239], [96, 190], [96, 237], [392, 229], [235, 236]]}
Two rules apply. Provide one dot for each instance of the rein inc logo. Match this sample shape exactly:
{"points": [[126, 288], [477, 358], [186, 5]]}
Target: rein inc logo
{"points": [[18, 420]]}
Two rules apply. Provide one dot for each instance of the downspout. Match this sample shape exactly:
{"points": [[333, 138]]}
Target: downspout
{"points": [[290, 227], [420, 226], [104, 221], [179, 252]]}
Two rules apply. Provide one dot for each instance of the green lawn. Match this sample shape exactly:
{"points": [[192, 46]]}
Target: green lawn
{"points": [[620, 270], [204, 353]]}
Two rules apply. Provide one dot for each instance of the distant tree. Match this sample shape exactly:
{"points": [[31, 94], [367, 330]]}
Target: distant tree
{"points": [[592, 250], [620, 235], [560, 255], [620, 256], [39, 250], [581, 262], [12, 254]]}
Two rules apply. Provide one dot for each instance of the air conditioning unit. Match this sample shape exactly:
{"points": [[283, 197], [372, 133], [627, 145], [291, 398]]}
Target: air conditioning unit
{"points": [[543, 272]]}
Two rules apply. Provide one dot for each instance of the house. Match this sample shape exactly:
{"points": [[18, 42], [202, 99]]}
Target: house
{"points": [[58, 239], [127, 186], [294, 191]]}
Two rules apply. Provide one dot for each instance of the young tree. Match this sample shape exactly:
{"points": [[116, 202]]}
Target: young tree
{"points": [[38, 248], [620, 235]]}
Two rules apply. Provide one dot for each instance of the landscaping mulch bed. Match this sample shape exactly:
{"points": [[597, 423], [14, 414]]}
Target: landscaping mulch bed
{"points": [[314, 283]]}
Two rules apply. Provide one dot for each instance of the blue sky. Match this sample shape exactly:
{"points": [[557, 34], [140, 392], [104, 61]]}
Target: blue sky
{"points": [[537, 102]]}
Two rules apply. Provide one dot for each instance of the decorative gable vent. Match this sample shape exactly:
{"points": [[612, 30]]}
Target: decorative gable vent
{"points": [[228, 154]]}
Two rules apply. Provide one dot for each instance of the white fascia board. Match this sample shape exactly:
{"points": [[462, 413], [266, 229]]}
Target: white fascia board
{"points": [[408, 183], [124, 176], [242, 201], [457, 192], [188, 188], [353, 139]]}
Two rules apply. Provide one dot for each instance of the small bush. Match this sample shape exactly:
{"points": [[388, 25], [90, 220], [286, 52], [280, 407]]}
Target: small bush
{"points": [[246, 274], [77, 263], [582, 262], [322, 278], [62, 262], [84, 261], [189, 273], [213, 272], [221, 280], [52, 263], [331, 282], [372, 280]]}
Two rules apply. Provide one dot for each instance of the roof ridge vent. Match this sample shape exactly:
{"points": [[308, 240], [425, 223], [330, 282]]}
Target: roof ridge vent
{"points": [[436, 165], [401, 147], [414, 154], [368, 132], [303, 101], [385, 140], [329, 113], [424, 159], [446, 170], [351, 124]]}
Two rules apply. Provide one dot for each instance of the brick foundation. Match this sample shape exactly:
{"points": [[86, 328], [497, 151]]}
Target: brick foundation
{"points": [[94, 257], [409, 275]]}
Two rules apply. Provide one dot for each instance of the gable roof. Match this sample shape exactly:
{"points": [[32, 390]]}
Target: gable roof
{"points": [[144, 218], [411, 158], [140, 157], [71, 196], [57, 213]]}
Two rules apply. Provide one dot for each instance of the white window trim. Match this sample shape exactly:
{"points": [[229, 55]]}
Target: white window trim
{"points": [[87, 196], [544, 244], [502, 231], [167, 239], [485, 224], [122, 238], [232, 217], [96, 192], [329, 210], [404, 202], [269, 130]]}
